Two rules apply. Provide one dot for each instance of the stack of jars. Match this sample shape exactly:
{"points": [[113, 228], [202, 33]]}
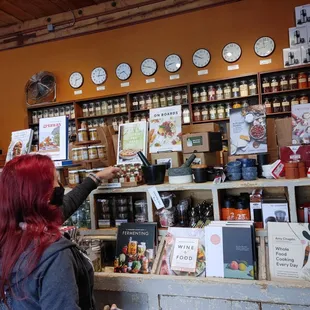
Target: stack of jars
{"points": [[285, 82], [89, 153], [159, 100], [67, 110], [225, 91]]}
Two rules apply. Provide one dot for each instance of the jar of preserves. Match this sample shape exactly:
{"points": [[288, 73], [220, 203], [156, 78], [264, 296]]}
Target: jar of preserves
{"points": [[177, 97], [115, 124], [220, 111], [50, 113], [56, 112], [92, 152], [67, 111], [213, 112], [35, 119], [82, 135], [302, 80], [244, 104], [274, 85], [95, 123], [148, 102], [227, 91], [79, 154], [84, 153], [266, 85], [286, 106], [235, 90], [236, 105], [45, 113], [276, 105], [89, 123], [184, 96], [227, 109], [123, 105], [110, 107], [163, 100], [75, 154], [101, 151], [303, 99], [74, 177], [219, 95], [197, 115], [293, 83], [211, 93], [135, 103], [91, 109], [93, 135], [244, 89], [186, 116], [252, 87], [142, 104], [170, 99], [205, 113], [284, 83], [97, 108], [155, 101], [83, 125], [195, 95], [203, 94], [294, 100]]}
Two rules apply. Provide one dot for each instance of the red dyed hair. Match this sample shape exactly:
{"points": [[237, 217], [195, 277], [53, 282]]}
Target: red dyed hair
{"points": [[26, 185]]}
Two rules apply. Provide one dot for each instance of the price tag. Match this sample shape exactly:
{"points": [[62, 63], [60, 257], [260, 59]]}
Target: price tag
{"points": [[110, 185], [265, 62], [100, 88], [125, 84], [234, 67], [174, 77], [202, 72], [156, 198], [148, 81], [78, 92]]}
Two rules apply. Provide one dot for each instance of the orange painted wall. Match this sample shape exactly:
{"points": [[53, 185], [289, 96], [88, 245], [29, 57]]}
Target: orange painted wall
{"points": [[242, 22]]}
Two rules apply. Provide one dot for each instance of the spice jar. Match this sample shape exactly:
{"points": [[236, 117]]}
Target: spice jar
{"points": [[101, 151], [93, 135], [84, 153], [203, 94], [302, 80], [92, 152], [85, 110], [91, 109], [148, 102], [205, 113], [274, 84], [293, 84], [74, 177], [82, 135], [211, 93], [56, 112], [213, 112], [45, 113], [244, 104], [219, 95], [184, 96], [195, 95], [75, 154], [162, 99], [227, 91], [303, 99], [244, 89], [227, 109], [236, 105], [115, 124], [110, 107], [35, 119], [286, 106], [197, 115], [235, 90], [155, 101], [266, 85], [186, 116], [220, 111], [50, 113], [268, 106], [284, 83], [177, 97], [170, 99], [123, 105], [97, 108], [252, 88], [135, 104], [294, 100], [142, 104], [276, 105]]}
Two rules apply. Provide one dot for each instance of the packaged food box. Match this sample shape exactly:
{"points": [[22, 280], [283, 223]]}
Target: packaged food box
{"points": [[208, 127], [296, 153], [202, 142], [209, 159], [275, 209]]}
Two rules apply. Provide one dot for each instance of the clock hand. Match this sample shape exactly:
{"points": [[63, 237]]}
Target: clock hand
{"points": [[171, 63], [198, 57], [147, 67]]}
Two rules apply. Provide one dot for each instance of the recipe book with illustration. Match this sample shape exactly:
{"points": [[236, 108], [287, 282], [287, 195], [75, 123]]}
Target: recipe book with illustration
{"points": [[289, 250], [175, 241], [231, 251], [135, 247]]}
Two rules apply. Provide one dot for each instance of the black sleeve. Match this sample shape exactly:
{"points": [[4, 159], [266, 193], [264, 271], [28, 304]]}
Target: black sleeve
{"points": [[73, 200]]}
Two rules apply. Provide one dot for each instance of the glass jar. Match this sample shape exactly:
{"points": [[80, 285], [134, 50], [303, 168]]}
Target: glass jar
{"points": [[79, 154], [166, 218], [92, 152], [266, 85], [35, 119], [276, 105], [155, 101], [293, 83], [220, 110], [184, 96], [197, 115], [143, 117], [104, 107], [203, 94], [252, 87], [93, 135], [177, 97], [274, 86], [85, 110], [45, 112], [89, 123], [50, 113], [284, 83], [135, 104], [286, 106], [244, 89], [303, 99], [205, 114], [211, 93], [95, 123], [101, 151], [235, 90], [74, 177], [123, 105], [110, 107], [91, 109], [213, 112], [268, 106], [227, 109], [101, 122], [67, 111], [56, 112], [244, 104], [195, 95], [142, 104], [170, 99], [148, 102], [75, 154], [186, 116], [97, 108], [227, 91], [163, 100], [120, 120], [84, 153], [115, 124], [72, 112], [82, 135], [302, 80], [39, 114], [83, 125], [117, 106], [136, 118], [219, 95], [294, 100], [236, 105]]}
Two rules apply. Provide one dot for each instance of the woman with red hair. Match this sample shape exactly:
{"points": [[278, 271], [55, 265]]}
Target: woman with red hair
{"points": [[40, 269]]}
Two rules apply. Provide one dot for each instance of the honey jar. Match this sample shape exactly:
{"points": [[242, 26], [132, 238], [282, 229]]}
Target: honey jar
{"points": [[74, 177], [92, 152], [82, 135], [302, 80], [84, 153], [93, 135], [101, 151], [75, 154]]}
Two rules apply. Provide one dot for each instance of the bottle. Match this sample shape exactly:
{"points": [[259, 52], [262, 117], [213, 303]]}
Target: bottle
{"points": [[104, 108], [149, 104], [177, 97], [197, 115], [117, 107], [195, 95], [123, 105], [186, 116], [203, 94], [227, 91], [184, 96], [219, 92], [155, 101], [205, 113], [110, 107], [170, 99], [142, 104], [135, 104], [163, 101]]}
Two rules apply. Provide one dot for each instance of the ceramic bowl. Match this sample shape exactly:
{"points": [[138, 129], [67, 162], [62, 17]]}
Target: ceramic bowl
{"points": [[249, 173], [234, 176], [234, 164]]}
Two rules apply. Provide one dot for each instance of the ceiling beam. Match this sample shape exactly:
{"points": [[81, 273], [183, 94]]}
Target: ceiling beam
{"points": [[15, 11]]}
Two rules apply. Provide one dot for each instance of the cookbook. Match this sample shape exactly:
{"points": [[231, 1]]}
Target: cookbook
{"points": [[248, 134], [165, 129], [301, 124]]}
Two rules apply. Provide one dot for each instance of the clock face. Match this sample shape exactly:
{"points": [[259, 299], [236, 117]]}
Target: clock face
{"points": [[76, 80], [231, 52], [201, 58], [123, 71], [148, 66], [264, 46], [98, 76], [173, 63]]}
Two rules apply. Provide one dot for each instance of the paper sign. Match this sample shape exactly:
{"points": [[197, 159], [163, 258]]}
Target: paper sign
{"points": [[125, 84], [78, 92], [185, 254], [265, 62], [110, 185], [100, 88], [156, 198], [174, 77], [202, 72], [148, 81], [234, 67]]}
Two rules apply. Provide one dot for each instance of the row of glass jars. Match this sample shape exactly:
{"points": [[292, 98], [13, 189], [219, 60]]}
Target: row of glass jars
{"points": [[226, 91], [53, 112], [105, 107], [163, 99], [78, 176], [286, 82], [90, 152]]}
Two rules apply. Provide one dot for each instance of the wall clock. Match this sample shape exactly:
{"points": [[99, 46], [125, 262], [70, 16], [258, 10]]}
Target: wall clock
{"points": [[173, 63], [76, 80], [123, 71], [98, 76], [148, 66], [201, 58], [231, 52], [264, 46]]}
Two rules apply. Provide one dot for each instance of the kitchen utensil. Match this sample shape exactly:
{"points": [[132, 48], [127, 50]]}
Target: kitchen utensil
{"points": [[167, 199], [144, 160], [182, 174], [154, 174]]}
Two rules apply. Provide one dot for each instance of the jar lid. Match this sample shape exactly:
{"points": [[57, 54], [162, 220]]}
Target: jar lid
{"points": [[92, 129], [98, 146], [89, 170], [82, 129], [73, 171], [92, 147]]}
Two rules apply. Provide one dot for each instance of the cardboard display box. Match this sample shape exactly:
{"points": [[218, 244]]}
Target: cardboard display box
{"points": [[209, 159], [275, 209], [171, 159], [208, 127], [202, 142], [283, 131]]}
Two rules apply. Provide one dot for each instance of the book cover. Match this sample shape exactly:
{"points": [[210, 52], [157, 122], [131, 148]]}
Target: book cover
{"points": [[132, 138], [168, 252], [230, 252], [165, 129], [135, 248], [289, 248], [20, 143], [301, 124], [53, 137]]}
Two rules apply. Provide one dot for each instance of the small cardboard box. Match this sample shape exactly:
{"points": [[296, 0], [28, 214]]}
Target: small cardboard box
{"points": [[202, 142], [171, 159], [209, 159], [284, 131], [275, 209], [208, 127]]}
